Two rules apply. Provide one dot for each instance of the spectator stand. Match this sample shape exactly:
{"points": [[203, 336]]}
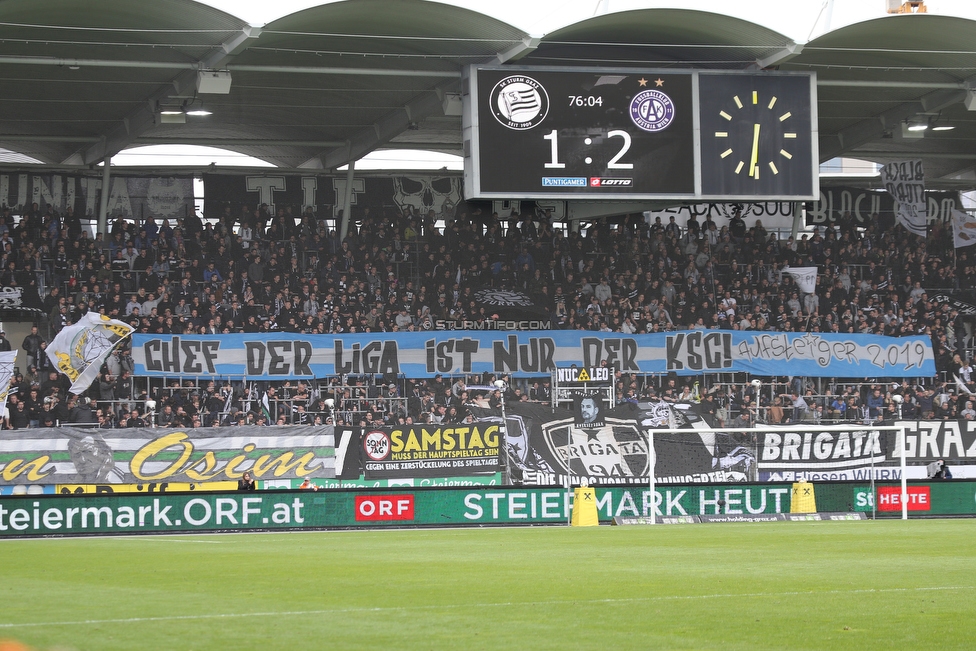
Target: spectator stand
{"points": [[885, 278]]}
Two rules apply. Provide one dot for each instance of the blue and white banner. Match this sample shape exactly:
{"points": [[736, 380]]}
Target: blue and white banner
{"points": [[285, 356]]}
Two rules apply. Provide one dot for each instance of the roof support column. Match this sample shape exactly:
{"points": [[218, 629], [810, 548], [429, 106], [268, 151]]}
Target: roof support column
{"points": [[347, 201], [797, 219], [103, 204]]}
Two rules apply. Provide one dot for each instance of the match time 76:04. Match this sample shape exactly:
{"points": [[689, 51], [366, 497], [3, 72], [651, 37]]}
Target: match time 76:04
{"points": [[585, 100]]}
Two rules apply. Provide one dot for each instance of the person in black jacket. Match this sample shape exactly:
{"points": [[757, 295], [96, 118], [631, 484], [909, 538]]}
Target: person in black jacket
{"points": [[17, 416], [245, 483], [32, 343], [82, 412]]}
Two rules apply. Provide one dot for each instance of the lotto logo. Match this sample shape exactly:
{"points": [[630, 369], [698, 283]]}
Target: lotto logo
{"points": [[602, 182]]}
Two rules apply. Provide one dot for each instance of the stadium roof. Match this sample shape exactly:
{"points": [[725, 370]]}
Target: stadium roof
{"points": [[326, 85]]}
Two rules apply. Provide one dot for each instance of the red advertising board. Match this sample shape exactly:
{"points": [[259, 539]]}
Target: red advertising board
{"points": [[384, 508], [919, 498]]}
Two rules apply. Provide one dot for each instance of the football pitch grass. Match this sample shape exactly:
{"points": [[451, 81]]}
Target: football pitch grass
{"points": [[789, 585]]}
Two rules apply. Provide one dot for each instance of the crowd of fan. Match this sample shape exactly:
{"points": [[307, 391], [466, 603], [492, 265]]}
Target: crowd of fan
{"points": [[251, 271]]}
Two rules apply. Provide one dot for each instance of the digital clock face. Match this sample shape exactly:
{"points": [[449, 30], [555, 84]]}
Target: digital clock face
{"points": [[565, 133], [555, 133]]}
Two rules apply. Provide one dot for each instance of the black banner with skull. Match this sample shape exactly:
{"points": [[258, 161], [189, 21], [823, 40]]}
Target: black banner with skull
{"points": [[415, 194]]}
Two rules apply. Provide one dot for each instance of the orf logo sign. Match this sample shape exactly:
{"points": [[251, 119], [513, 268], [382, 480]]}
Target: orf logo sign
{"points": [[384, 508]]}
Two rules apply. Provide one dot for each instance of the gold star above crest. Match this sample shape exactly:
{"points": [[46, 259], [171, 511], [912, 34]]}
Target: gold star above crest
{"points": [[658, 82], [642, 81]]}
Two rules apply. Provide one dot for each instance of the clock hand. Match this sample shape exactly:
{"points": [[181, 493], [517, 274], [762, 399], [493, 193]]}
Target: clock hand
{"points": [[755, 152]]}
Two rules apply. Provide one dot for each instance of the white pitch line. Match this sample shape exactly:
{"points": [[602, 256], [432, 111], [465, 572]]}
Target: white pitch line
{"points": [[507, 604], [180, 540]]}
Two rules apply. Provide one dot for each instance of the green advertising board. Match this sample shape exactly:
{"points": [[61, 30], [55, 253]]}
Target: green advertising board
{"points": [[124, 513], [121, 513], [930, 498]]}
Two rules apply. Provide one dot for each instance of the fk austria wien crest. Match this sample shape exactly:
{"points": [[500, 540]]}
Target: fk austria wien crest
{"points": [[651, 110]]}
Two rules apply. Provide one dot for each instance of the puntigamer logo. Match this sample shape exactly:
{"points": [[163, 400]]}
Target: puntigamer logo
{"points": [[519, 102], [564, 181]]}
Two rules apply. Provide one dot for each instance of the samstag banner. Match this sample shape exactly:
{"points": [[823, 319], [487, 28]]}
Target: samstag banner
{"points": [[69, 455], [285, 356], [430, 450]]}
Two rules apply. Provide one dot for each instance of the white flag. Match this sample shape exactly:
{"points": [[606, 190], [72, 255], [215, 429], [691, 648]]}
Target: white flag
{"points": [[7, 361], [80, 349], [905, 182], [963, 229], [805, 277], [962, 386]]}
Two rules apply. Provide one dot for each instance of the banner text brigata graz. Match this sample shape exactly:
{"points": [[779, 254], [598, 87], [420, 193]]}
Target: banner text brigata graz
{"points": [[281, 356]]}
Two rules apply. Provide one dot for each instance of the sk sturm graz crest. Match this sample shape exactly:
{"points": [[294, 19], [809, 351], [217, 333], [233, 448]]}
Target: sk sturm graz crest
{"points": [[519, 102]]}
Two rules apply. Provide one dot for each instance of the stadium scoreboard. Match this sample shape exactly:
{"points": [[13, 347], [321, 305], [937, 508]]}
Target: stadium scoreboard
{"points": [[624, 134]]}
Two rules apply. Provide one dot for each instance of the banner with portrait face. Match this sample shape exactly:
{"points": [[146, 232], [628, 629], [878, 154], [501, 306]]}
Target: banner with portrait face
{"points": [[85, 455]]}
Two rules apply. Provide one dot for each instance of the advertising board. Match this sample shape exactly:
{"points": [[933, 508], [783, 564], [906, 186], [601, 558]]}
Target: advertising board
{"points": [[131, 513]]}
